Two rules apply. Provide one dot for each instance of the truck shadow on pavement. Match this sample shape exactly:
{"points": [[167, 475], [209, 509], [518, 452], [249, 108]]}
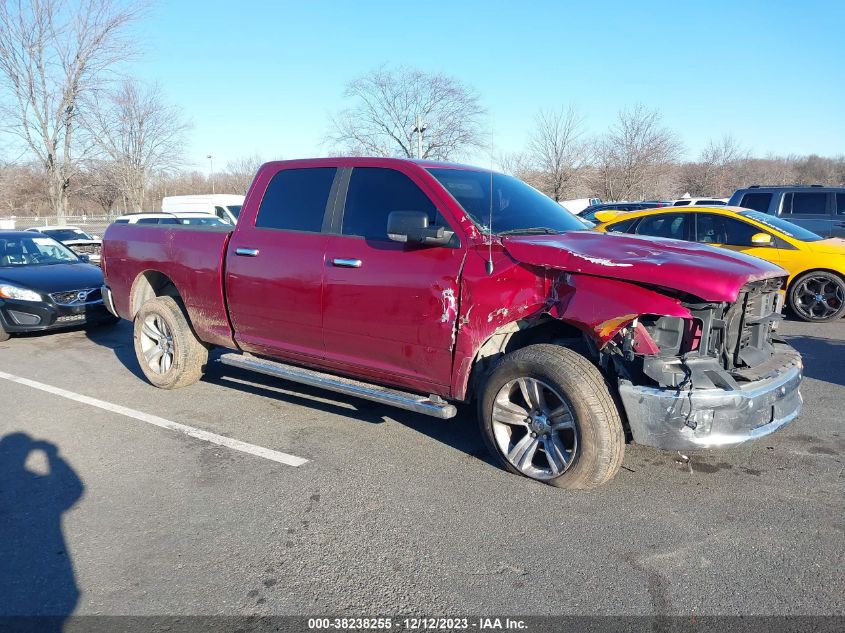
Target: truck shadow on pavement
{"points": [[824, 358], [460, 432], [36, 573], [118, 338]]}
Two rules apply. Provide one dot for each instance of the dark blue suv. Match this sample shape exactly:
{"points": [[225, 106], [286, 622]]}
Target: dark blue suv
{"points": [[816, 208]]}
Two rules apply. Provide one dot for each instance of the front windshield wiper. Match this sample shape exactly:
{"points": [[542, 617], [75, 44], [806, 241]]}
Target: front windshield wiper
{"points": [[532, 230]]}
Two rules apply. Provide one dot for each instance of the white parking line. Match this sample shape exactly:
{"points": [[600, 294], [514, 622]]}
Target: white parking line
{"points": [[244, 447]]}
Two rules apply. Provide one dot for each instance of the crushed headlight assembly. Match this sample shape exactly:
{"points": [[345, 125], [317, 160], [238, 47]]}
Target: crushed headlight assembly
{"points": [[673, 335], [8, 291]]}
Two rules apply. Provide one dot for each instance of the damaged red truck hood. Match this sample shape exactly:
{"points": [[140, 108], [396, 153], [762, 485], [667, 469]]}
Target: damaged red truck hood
{"points": [[709, 273]]}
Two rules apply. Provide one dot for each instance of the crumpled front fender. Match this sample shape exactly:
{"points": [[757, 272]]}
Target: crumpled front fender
{"points": [[515, 296], [601, 306]]}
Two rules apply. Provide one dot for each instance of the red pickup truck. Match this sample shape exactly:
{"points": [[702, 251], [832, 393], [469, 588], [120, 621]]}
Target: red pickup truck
{"points": [[419, 284]]}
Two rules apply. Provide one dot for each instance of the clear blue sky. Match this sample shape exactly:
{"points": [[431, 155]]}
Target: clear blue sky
{"points": [[263, 77]]}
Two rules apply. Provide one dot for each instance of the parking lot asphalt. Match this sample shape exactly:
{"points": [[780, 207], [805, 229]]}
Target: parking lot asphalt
{"points": [[393, 513]]}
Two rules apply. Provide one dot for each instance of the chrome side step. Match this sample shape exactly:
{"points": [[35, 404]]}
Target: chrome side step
{"points": [[432, 405]]}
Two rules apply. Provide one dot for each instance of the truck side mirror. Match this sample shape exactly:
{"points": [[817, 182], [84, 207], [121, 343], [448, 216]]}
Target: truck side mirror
{"points": [[412, 226]]}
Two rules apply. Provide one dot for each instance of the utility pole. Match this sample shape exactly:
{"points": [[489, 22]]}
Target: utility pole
{"points": [[419, 129], [211, 171]]}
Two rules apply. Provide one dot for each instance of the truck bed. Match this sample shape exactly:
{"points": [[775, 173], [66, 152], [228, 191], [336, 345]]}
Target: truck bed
{"points": [[191, 258]]}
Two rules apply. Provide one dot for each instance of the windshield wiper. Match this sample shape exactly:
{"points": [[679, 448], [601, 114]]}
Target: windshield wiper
{"points": [[533, 230]]}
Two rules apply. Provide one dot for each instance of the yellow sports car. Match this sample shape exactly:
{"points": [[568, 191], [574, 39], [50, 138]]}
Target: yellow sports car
{"points": [[815, 289]]}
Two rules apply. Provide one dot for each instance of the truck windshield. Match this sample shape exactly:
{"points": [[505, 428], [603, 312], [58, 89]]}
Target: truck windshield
{"points": [[516, 207], [235, 209], [784, 226]]}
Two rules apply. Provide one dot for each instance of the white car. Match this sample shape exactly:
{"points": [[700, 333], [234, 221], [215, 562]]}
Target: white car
{"points": [[698, 202], [75, 239], [225, 206], [184, 217]]}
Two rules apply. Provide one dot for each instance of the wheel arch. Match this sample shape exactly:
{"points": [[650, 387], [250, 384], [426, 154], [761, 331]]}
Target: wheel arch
{"points": [[149, 285], [818, 269], [515, 335]]}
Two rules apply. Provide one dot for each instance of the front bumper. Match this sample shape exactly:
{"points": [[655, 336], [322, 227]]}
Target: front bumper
{"points": [[692, 419], [31, 316], [108, 302]]}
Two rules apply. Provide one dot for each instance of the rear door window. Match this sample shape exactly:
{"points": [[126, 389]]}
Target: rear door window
{"points": [[756, 201], [805, 203], [681, 203], [840, 204], [671, 225], [373, 193], [296, 200]]}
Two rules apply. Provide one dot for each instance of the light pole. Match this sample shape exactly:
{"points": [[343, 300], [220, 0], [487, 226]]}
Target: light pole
{"points": [[211, 171], [419, 129]]}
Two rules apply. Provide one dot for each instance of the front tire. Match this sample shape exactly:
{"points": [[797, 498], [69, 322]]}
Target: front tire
{"points": [[817, 297], [546, 413], [169, 353]]}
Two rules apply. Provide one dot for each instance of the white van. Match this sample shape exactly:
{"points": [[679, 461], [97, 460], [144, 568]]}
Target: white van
{"points": [[579, 204], [225, 206]]}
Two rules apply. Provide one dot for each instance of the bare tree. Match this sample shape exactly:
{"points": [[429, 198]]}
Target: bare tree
{"points": [[604, 168], [556, 150], [22, 190], [239, 173], [814, 169], [52, 54], [635, 153], [140, 133], [521, 165], [100, 182], [717, 171], [390, 104]]}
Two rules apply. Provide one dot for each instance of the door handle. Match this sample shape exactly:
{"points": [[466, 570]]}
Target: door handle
{"points": [[346, 263], [247, 252]]}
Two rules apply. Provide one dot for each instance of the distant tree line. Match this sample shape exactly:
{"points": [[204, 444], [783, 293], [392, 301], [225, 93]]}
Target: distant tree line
{"points": [[85, 134], [95, 142]]}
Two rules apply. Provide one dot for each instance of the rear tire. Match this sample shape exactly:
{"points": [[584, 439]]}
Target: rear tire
{"points": [[817, 297], [169, 353], [561, 394]]}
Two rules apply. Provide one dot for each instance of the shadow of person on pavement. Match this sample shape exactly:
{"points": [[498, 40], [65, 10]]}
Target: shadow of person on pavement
{"points": [[36, 573]]}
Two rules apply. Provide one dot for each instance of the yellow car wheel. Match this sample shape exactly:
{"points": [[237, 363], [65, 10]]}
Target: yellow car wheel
{"points": [[817, 296]]}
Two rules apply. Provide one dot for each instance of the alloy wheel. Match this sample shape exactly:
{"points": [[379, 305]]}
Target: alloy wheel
{"points": [[535, 428], [819, 297], [157, 344]]}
